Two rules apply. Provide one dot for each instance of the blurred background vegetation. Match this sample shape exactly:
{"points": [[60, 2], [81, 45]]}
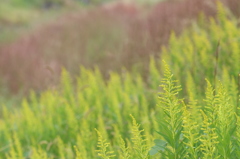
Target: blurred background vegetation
{"points": [[40, 37], [112, 53]]}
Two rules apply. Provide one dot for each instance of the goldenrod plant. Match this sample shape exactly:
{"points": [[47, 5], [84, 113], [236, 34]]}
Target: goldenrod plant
{"points": [[171, 116], [209, 140], [215, 135], [102, 145], [191, 118], [124, 150], [139, 143]]}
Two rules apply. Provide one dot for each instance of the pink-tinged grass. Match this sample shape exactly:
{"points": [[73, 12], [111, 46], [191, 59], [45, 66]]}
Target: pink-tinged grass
{"points": [[111, 36]]}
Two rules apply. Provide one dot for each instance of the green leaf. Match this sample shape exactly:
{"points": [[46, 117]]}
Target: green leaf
{"points": [[159, 146]]}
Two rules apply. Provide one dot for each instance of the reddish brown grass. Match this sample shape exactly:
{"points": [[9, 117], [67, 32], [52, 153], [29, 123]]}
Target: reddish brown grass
{"points": [[110, 36]]}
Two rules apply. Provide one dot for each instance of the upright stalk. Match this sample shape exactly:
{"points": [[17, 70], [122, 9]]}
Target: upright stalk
{"points": [[216, 65]]}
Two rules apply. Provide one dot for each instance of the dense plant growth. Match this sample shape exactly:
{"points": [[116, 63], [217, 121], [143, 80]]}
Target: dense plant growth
{"points": [[110, 36], [99, 119]]}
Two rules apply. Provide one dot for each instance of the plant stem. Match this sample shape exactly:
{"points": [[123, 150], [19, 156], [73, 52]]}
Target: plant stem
{"points": [[216, 65]]}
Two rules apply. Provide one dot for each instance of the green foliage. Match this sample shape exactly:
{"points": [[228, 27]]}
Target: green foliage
{"points": [[211, 137], [160, 145], [191, 133], [171, 116], [139, 144], [209, 125], [208, 140], [192, 56], [201, 121], [124, 150], [102, 145]]}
